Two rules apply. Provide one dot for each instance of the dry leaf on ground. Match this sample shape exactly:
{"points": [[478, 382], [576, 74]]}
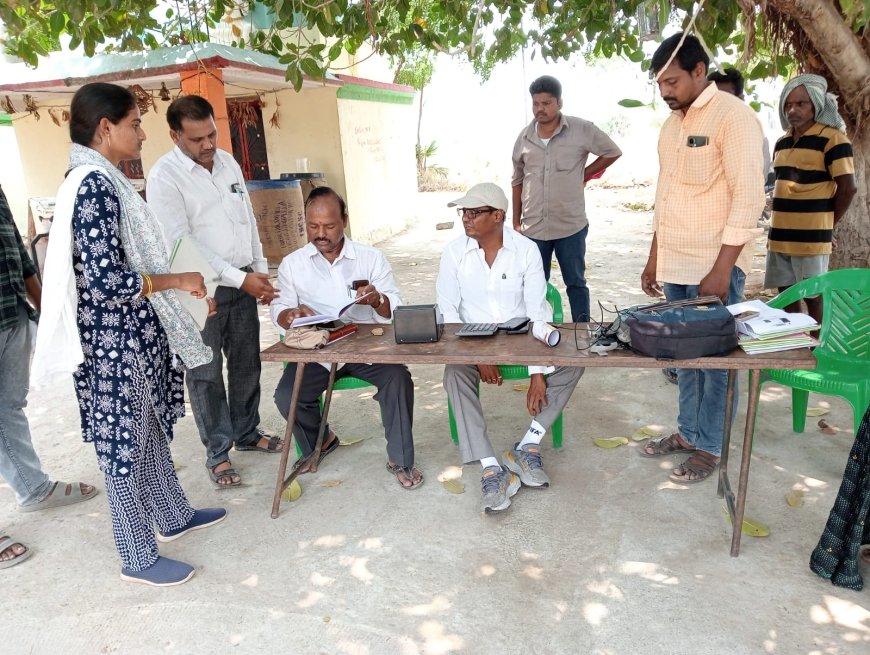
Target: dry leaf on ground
{"points": [[826, 428], [292, 492], [378, 332], [350, 441], [795, 498], [646, 432], [521, 387], [751, 527], [610, 442], [330, 483], [454, 486], [817, 411]]}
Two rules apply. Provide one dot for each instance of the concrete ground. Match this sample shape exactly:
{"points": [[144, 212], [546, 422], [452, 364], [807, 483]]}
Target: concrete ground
{"points": [[612, 559]]}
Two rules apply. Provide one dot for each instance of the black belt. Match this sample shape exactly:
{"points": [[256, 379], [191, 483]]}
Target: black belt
{"points": [[247, 269]]}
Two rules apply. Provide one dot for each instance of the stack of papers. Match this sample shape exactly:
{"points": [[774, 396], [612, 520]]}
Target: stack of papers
{"points": [[763, 329]]}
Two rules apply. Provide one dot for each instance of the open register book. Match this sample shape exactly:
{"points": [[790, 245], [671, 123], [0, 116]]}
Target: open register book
{"points": [[319, 319]]}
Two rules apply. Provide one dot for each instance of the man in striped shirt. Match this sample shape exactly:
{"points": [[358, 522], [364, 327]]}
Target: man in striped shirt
{"points": [[815, 184]]}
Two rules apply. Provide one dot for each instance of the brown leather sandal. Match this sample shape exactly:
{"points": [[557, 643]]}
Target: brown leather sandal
{"points": [[410, 473], [664, 446], [701, 464]]}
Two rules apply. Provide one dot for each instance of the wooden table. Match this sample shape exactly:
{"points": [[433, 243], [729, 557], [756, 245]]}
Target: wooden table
{"points": [[363, 347]]}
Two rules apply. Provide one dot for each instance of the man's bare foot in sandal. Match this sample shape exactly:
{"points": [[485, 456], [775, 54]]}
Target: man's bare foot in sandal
{"points": [[310, 466], [409, 477], [224, 475], [12, 552], [698, 467]]}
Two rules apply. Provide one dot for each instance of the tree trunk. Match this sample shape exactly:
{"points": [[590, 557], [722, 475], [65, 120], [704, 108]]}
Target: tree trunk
{"points": [[420, 118], [853, 231]]}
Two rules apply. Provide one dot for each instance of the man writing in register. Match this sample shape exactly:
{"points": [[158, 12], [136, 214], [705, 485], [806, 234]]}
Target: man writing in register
{"points": [[320, 278], [491, 275]]}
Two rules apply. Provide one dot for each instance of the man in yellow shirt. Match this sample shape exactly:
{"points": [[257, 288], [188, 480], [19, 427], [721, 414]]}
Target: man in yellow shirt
{"points": [[708, 200]]}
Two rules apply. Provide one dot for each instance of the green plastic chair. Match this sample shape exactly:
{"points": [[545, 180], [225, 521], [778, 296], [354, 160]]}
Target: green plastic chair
{"points": [[843, 353], [512, 372]]}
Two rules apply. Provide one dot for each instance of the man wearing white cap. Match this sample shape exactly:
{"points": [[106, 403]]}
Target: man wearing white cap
{"points": [[490, 275]]}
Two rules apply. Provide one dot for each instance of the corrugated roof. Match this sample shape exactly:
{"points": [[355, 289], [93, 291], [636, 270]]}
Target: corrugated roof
{"points": [[63, 72]]}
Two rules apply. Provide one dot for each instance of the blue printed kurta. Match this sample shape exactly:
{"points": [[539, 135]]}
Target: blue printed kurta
{"points": [[128, 367]]}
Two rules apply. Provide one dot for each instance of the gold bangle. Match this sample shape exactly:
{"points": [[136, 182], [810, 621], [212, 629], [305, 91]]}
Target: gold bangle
{"points": [[147, 286]]}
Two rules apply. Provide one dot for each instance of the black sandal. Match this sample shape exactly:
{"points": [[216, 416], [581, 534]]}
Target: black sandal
{"points": [[324, 451], [226, 473]]}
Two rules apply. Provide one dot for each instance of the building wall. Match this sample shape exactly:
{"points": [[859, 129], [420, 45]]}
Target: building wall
{"points": [[307, 128], [12, 176], [377, 143], [362, 147], [44, 152]]}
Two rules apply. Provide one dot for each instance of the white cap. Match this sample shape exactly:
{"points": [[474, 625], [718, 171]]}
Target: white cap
{"points": [[485, 194]]}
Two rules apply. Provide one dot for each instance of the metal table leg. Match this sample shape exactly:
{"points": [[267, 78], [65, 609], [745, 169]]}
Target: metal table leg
{"points": [[282, 483], [726, 434], [737, 503]]}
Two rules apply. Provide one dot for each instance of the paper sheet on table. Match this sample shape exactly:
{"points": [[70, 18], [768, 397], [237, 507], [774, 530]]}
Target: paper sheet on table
{"points": [[187, 258]]}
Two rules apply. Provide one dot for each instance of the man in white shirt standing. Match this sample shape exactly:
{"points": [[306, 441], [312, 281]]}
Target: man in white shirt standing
{"points": [[491, 275], [321, 278], [198, 192]]}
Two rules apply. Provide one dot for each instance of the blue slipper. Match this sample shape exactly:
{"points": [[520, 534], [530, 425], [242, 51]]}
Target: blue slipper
{"points": [[164, 572], [202, 518]]}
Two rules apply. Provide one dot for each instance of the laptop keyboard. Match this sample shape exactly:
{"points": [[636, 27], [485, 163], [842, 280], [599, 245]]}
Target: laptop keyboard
{"points": [[478, 330]]}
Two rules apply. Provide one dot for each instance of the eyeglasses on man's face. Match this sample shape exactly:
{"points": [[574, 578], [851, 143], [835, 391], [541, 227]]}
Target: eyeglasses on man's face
{"points": [[473, 213]]}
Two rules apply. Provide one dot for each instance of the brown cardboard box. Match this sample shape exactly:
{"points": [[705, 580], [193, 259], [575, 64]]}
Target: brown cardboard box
{"points": [[279, 209]]}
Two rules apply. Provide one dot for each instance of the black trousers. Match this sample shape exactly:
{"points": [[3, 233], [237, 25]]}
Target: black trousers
{"points": [[395, 396]]}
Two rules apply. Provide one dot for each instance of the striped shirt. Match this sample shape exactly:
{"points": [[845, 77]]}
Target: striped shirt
{"points": [[15, 266], [709, 191], [803, 198]]}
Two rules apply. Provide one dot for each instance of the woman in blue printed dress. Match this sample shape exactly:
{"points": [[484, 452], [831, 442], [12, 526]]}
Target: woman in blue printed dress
{"points": [[130, 326]]}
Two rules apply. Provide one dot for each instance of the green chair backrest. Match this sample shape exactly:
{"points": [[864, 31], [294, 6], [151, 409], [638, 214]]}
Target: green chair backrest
{"points": [[845, 332], [555, 301]]}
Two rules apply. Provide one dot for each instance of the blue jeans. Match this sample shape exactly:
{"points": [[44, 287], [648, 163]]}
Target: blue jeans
{"points": [[701, 420], [571, 255], [19, 464]]}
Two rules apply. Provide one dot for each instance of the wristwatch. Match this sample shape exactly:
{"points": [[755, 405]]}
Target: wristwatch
{"points": [[380, 301]]}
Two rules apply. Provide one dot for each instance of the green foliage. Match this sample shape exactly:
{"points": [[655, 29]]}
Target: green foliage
{"points": [[415, 67], [484, 32]]}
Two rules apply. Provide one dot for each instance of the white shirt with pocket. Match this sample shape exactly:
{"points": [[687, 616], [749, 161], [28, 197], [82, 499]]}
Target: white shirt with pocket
{"points": [[470, 291], [212, 207], [305, 277]]}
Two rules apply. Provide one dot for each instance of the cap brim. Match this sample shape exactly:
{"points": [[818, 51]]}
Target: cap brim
{"points": [[468, 200]]}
